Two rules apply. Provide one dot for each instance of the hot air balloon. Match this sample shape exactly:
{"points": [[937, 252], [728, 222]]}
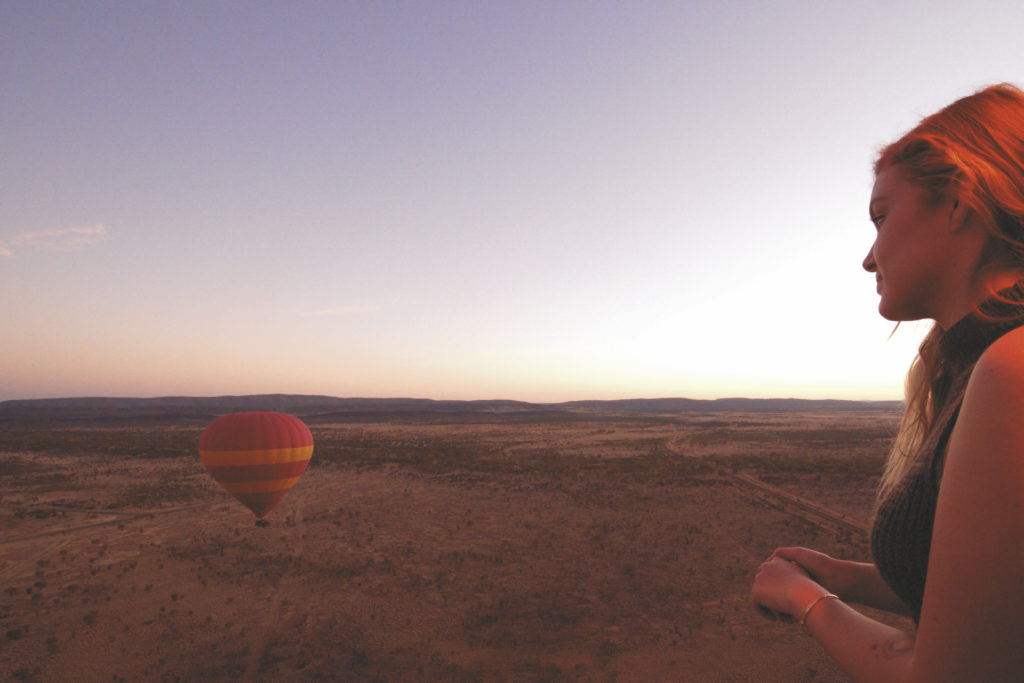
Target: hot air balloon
{"points": [[256, 456]]}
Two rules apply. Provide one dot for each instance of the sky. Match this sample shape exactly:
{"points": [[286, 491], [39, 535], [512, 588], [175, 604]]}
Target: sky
{"points": [[541, 201]]}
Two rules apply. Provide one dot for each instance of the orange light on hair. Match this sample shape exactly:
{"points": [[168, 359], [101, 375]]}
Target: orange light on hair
{"points": [[972, 152]]}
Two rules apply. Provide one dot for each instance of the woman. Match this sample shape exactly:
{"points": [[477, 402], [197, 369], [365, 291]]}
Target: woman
{"points": [[948, 535]]}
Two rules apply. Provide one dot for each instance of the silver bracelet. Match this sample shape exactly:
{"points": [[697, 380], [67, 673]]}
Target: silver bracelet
{"points": [[803, 619]]}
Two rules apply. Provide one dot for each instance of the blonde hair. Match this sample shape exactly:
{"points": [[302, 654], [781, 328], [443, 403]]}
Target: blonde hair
{"points": [[972, 151], [917, 417]]}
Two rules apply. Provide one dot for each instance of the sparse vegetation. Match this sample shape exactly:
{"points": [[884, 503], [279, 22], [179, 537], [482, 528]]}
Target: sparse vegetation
{"points": [[589, 548]]}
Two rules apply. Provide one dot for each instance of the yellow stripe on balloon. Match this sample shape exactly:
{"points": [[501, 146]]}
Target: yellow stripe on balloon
{"points": [[265, 457], [260, 486]]}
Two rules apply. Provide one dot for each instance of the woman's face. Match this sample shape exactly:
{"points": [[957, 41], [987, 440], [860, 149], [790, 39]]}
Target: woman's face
{"points": [[910, 255]]}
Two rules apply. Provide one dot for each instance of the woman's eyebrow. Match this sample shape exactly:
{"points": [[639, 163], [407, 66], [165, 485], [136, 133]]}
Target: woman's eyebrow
{"points": [[871, 204]]}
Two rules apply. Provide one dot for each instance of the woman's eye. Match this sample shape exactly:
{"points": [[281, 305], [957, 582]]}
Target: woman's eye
{"points": [[877, 220]]}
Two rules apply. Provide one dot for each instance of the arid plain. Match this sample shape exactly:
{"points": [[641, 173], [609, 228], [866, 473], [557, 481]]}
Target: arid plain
{"points": [[585, 545]]}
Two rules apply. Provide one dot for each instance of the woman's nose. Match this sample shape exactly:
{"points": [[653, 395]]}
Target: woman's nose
{"points": [[869, 261]]}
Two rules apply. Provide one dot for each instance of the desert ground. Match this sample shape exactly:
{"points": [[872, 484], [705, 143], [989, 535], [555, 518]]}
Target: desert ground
{"points": [[595, 547]]}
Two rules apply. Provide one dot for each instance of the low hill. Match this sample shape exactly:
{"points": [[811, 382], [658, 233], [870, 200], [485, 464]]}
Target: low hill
{"points": [[774, 405], [328, 408]]}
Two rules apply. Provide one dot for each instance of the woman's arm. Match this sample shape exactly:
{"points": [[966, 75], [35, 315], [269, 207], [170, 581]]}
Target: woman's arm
{"points": [[972, 618], [857, 582], [864, 648]]}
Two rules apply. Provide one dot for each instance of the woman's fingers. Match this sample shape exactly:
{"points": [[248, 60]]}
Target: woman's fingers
{"points": [[812, 561]]}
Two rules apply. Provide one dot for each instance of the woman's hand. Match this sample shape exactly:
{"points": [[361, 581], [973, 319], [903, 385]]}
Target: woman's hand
{"points": [[851, 581], [783, 587], [832, 574]]}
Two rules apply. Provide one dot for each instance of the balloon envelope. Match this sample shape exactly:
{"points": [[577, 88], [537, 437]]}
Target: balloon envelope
{"points": [[256, 456]]}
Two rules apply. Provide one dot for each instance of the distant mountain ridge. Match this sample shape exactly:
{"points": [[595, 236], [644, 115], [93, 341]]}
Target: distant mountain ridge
{"points": [[328, 407], [731, 404]]}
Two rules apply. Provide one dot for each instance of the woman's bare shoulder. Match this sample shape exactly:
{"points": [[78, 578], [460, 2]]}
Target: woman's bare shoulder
{"points": [[990, 420], [1001, 366], [993, 407]]}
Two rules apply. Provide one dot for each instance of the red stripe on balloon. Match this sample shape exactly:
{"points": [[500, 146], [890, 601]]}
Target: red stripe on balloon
{"points": [[231, 474]]}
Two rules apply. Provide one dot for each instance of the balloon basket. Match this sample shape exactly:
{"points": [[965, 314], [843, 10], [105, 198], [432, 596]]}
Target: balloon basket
{"points": [[262, 522]]}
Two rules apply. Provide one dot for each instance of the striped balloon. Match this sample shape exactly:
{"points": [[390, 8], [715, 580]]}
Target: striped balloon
{"points": [[256, 456]]}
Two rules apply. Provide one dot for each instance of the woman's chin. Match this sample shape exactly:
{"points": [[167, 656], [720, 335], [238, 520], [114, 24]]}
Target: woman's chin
{"points": [[886, 311], [898, 315]]}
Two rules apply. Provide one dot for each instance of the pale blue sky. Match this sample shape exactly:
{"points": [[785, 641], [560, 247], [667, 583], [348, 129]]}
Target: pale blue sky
{"points": [[534, 200]]}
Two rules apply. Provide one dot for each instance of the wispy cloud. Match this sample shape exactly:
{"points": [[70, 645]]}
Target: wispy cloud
{"points": [[66, 238], [341, 310]]}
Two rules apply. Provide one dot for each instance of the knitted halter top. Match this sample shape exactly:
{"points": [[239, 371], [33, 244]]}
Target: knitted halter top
{"points": [[902, 530]]}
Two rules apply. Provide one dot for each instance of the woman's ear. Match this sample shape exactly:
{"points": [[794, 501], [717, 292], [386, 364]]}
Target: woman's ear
{"points": [[959, 216]]}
